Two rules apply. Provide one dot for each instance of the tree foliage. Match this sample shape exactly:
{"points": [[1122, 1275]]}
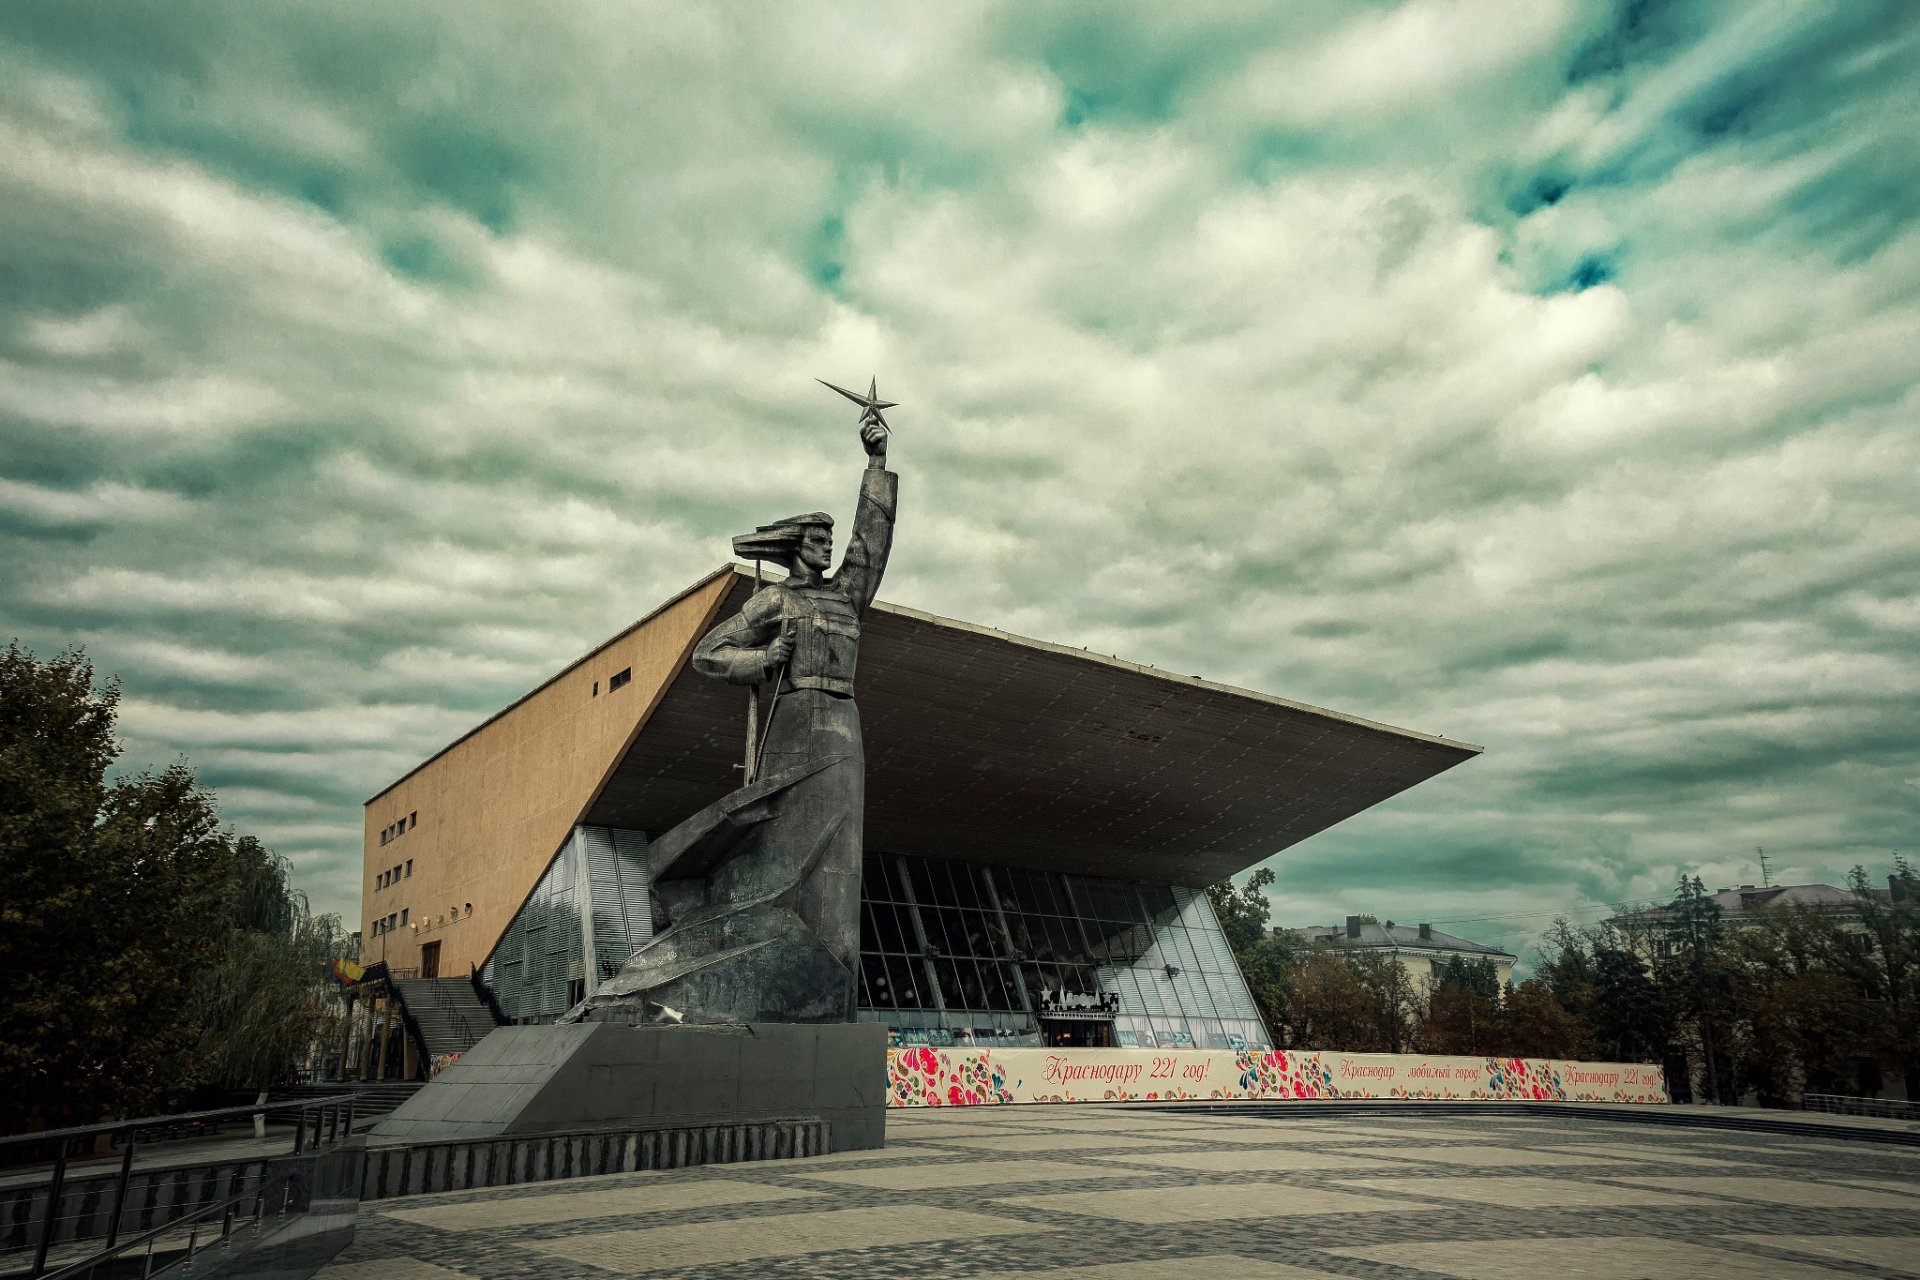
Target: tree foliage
{"points": [[1784, 1002], [148, 951]]}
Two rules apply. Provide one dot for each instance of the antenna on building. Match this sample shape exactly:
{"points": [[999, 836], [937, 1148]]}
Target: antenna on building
{"points": [[1766, 880]]}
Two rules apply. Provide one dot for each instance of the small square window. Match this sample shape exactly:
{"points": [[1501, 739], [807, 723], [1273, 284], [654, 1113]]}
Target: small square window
{"points": [[413, 820], [620, 679], [596, 688], [403, 916], [409, 866], [383, 837]]}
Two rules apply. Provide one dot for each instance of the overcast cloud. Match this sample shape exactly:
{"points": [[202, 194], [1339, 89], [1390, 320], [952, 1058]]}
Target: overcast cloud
{"points": [[1541, 373]]}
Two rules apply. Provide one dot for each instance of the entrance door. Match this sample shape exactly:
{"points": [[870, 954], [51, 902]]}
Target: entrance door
{"points": [[1076, 1033], [430, 960]]}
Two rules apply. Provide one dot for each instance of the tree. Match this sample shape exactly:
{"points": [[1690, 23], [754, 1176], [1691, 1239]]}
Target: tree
{"points": [[1268, 959], [132, 976], [1390, 994], [1887, 965], [1629, 1017], [263, 1002], [1332, 1008], [1243, 912], [1534, 1024], [1695, 972], [1463, 1010]]}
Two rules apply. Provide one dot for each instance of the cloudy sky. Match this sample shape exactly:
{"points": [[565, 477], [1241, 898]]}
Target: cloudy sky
{"points": [[1541, 373]]}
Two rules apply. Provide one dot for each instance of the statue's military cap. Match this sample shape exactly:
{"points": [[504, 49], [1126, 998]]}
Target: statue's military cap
{"points": [[772, 541]]}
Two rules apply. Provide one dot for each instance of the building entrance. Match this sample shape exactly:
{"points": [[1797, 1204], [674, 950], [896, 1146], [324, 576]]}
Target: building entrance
{"points": [[430, 960], [1076, 1033]]}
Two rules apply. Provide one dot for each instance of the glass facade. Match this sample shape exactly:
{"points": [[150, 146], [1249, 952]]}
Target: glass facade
{"points": [[954, 951], [950, 952], [594, 893]]}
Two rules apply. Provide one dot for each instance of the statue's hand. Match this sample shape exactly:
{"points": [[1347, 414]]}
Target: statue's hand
{"points": [[873, 435], [779, 651]]}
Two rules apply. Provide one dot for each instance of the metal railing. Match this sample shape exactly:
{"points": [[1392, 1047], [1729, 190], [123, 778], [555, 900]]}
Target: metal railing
{"points": [[274, 1196], [330, 1121], [1840, 1105]]}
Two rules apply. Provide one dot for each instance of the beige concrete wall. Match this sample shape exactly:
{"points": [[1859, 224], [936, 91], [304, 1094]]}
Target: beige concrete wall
{"points": [[495, 806]]}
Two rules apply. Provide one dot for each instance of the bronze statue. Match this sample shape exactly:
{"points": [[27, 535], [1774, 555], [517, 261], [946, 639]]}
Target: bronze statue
{"points": [[761, 890]]}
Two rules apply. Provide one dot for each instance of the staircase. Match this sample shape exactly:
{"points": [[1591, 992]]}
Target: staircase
{"points": [[444, 1015], [370, 1100]]}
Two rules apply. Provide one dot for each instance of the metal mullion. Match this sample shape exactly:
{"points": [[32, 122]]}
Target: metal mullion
{"points": [[920, 936], [1000, 914], [1079, 922]]}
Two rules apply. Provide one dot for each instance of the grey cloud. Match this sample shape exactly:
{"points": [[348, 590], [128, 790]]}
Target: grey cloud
{"points": [[362, 375]]}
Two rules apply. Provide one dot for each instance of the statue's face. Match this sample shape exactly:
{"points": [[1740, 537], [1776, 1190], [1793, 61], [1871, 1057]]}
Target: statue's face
{"points": [[816, 548]]}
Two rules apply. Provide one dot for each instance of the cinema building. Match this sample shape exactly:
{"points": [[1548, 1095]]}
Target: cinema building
{"points": [[1041, 824]]}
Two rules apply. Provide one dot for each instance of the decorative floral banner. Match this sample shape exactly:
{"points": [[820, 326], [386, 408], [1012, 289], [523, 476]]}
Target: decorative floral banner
{"points": [[929, 1077]]}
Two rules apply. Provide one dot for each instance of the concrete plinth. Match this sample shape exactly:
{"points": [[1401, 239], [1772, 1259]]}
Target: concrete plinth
{"points": [[584, 1076]]}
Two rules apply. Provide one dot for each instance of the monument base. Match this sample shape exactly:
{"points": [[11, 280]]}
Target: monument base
{"points": [[584, 1076]]}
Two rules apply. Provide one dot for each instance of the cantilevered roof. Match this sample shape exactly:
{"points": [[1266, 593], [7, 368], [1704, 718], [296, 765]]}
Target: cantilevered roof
{"points": [[995, 748]]}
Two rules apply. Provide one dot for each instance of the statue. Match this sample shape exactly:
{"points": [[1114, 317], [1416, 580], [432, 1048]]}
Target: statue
{"points": [[760, 891]]}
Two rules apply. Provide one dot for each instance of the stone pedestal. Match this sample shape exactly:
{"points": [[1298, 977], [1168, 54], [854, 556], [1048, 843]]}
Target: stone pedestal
{"points": [[604, 1075]]}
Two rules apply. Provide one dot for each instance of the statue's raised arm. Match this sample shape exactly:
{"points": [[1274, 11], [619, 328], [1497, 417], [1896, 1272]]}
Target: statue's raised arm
{"points": [[866, 559]]}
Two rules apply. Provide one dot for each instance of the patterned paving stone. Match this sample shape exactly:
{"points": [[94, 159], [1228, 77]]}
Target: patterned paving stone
{"points": [[990, 1173], [1237, 1200], [388, 1269], [1526, 1193], [1484, 1157], [1293, 1137], [654, 1195], [892, 1151], [1647, 1153], [1067, 1140], [1178, 1196], [1911, 1188], [1210, 1266], [1608, 1258], [1798, 1192], [1896, 1254], [1249, 1160], [786, 1235]]}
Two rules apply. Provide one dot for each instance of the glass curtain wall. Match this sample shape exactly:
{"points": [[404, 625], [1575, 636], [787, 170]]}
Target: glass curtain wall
{"points": [[954, 951]]}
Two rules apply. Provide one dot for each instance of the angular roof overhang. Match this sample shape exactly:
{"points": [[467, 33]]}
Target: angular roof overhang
{"points": [[992, 747]]}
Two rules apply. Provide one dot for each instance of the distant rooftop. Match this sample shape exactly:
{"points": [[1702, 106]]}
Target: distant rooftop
{"points": [[1410, 937], [1745, 898]]}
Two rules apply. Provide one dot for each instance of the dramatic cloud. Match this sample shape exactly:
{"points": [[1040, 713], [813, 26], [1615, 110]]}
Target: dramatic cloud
{"points": [[1544, 375]]}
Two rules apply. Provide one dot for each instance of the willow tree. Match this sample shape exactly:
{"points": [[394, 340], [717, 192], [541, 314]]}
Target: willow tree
{"points": [[262, 1003]]}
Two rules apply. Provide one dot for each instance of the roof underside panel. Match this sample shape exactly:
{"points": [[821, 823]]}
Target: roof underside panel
{"points": [[987, 747]]}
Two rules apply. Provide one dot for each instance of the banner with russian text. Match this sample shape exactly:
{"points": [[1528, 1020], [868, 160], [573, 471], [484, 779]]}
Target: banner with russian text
{"points": [[942, 1077]]}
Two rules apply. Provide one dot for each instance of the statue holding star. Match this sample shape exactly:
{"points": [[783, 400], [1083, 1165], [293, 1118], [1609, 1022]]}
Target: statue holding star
{"points": [[760, 892]]}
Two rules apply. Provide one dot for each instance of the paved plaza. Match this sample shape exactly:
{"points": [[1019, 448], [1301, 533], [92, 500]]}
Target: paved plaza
{"points": [[1090, 1193]]}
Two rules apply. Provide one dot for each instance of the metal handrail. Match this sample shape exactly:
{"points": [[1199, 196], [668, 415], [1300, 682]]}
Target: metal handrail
{"points": [[150, 1122], [325, 1114], [258, 1194], [1844, 1105]]}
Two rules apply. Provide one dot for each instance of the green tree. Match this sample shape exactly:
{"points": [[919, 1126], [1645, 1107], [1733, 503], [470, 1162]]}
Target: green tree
{"points": [[1694, 969], [1390, 993], [1331, 1007], [1886, 965], [129, 978], [262, 1003], [1463, 1010], [1630, 1016], [1243, 912], [1269, 959], [1534, 1024]]}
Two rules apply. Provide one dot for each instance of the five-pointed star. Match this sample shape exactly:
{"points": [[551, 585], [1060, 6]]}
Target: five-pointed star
{"points": [[870, 401]]}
